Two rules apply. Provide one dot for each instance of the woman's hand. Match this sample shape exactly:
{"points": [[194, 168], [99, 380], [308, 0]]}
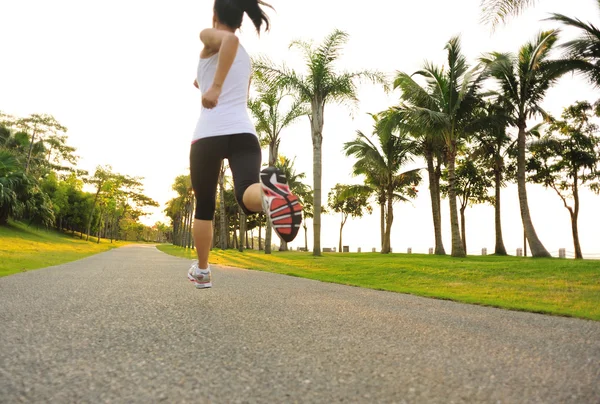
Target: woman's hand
{"points": [[210, 99]]}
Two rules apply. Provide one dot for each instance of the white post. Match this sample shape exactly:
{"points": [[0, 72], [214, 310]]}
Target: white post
{"points": [[409, 251], [562, 253], [359, 249], [484, 251], [519, 252], [431, 251], [374, 250]]}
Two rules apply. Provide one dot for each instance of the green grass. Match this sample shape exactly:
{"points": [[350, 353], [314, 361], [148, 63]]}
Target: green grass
{"points": [[552, 286], [25, 248]]}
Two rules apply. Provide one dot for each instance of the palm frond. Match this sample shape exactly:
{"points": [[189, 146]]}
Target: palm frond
{"points": [[282, 77], [496, 12], [297, 110], [329, 51], [413, 92]]}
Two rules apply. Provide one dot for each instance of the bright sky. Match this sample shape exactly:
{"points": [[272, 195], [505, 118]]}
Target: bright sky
{"points": [[119, 75]]}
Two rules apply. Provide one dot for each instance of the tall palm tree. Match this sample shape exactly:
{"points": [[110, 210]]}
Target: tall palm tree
{"points": [[381, 162], [271, 119], [295, 183], [445, 108], [492, 145], [583, 52], [431, 148], [524, 80], [320, 86]]}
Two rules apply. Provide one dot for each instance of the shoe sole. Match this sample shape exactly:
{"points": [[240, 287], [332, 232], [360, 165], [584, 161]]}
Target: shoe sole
{"points": [[285, 211], [198, 284]]}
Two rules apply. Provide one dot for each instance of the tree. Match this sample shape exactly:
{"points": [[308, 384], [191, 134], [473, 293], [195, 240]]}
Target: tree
{"points": [[492, 146], [568, 158], [295, 183], [270, 121], [12, 181], [348, 205], [524, 81], [582, 53], [446, 108], [38, 125], [381, 164], [471, 188], [431, 147], [322, 85]]}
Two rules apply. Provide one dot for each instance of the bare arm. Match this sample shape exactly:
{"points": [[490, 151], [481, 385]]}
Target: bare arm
{"points": [[226, 44]]}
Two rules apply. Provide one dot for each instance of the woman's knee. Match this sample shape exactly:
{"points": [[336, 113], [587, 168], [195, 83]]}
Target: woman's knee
{"points": [[205, 209]]}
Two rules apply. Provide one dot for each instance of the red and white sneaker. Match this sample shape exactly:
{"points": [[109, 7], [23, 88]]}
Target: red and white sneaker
{"points": [[283, 209]]}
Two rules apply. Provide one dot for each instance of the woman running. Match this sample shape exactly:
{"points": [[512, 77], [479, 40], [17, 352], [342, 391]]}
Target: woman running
{"points": [[225, 131]]}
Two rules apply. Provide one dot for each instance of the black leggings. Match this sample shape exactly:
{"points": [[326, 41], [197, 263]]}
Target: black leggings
{"points": [[206, 156]]}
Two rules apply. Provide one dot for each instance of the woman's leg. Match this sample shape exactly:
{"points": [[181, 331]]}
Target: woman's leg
{"points": [[244, 159], [206, 157]]}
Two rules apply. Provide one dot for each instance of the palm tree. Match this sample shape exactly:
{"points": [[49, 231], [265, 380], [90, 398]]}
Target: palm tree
{"points": [[295, 183], [583, 53], [381, 163], [492, 145], [431, 147], [524, 81], [445, 108], [321, 85], [12, 180], [270, 121]]}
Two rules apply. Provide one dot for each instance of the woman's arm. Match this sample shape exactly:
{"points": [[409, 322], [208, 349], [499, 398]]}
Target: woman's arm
{"points": [[226, 45]]}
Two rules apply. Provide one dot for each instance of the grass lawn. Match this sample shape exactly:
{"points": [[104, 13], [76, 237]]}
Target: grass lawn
{"points": [[24, 248], [552, 286]]}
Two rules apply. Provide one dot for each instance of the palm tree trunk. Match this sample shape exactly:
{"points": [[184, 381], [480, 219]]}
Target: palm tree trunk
{"points": [[305, 236], [223, 236], [457, 246], [438, 196], [259, 237], [268, 237], [382, 203], [434, 192], [463, 230], [90, 217], [499, 249], [317, 123], [30, 150], [537, 248], [242, 230], [269, 231], [389, 220]]}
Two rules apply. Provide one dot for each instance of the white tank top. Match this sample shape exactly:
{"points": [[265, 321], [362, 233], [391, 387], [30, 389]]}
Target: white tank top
{"points": [[230, 116]]}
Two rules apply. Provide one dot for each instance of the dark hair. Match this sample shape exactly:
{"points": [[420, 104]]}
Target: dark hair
{"points": [[231, 12]]}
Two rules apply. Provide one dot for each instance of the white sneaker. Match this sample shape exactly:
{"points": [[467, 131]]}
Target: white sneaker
{"points": [[200, 277]]}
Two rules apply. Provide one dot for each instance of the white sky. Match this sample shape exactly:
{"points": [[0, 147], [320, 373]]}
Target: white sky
{"points": [[119, 75]]}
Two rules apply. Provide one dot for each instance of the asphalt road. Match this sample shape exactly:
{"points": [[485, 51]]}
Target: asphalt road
{"points": [[127, 326]]}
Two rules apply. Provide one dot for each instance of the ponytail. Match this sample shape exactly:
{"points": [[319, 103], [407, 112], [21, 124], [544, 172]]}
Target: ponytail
{"points": [[231, 12], [256, 13]]}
